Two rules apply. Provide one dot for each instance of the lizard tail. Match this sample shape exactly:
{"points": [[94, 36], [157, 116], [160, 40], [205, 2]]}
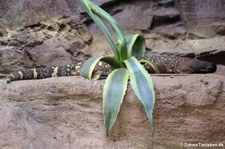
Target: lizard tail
{"points": [[41, 73]]}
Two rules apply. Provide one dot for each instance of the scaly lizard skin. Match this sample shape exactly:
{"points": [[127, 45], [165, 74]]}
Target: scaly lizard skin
{"points": [[166, 64], [179, 65]]}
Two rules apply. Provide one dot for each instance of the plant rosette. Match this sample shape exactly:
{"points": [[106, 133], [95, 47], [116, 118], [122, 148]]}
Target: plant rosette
{"points": [[124, 66]]}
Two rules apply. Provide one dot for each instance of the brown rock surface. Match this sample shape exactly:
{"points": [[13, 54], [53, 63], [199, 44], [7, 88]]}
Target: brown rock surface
{"points": [[205, 49], [66, 113], [199, 15], [196, 17], [54, 32], [219, 27], [50, 43], [15, 13]]}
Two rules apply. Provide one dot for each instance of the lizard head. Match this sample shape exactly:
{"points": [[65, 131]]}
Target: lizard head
{"points": [[197, 66]]}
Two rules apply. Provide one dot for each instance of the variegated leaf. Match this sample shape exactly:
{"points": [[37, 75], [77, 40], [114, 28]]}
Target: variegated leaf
{"points": [[135, 45], [89, 66], [142, 85], [113, 94]]}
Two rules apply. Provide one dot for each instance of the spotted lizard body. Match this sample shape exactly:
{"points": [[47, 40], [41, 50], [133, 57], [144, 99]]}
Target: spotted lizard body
{"points": [[180, 65], [164, 63]]}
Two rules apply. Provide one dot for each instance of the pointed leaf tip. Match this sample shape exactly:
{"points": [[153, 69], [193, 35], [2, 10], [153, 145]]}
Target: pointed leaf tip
{"points": [[142, 85], [113, 94]]}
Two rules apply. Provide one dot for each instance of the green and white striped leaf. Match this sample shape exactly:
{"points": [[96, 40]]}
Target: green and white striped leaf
{"points": [[135, 45], [120, 36], [113, 94], [88, 67], [151, 64], [97, 18], [142, 85], [98, 14]]}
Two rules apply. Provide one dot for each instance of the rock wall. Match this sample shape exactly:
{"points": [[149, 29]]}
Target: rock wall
{"points": [[15, 13], [171, 18], [203, 18], [50, 43], [36, 33], [66, 113]]}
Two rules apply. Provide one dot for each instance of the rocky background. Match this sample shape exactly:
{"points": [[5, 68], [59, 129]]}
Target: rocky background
{"points": [[66, 113], [48, 32], [56, 32]]}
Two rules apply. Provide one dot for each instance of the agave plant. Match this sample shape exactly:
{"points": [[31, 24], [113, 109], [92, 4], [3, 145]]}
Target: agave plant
{"points": [[125, 67]]}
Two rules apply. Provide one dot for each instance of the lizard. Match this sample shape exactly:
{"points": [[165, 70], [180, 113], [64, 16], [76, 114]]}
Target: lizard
{"points": [[166, 64]]}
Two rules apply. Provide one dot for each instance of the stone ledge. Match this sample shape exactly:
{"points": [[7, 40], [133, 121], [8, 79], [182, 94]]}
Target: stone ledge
{"points": [[66, 113]]}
